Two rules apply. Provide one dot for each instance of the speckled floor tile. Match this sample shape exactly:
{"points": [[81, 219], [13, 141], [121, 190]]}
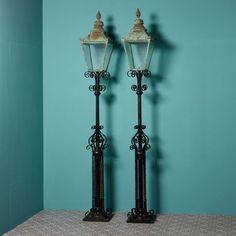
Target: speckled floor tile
{"points": [[63, 223]]}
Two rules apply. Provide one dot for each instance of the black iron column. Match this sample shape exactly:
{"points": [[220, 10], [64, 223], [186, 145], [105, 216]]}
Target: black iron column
{"points": [[140, 143], [97, 142]]}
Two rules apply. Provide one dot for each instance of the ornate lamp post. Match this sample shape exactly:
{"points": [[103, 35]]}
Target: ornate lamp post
{"points": [[139, 47], [97, 49]]}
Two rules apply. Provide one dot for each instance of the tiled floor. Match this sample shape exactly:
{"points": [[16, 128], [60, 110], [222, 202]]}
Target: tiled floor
{"points": [[61, 222]]}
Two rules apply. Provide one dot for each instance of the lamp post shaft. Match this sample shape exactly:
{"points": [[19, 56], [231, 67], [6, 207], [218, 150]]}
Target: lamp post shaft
{"points": [[97, 162], [140, 143], [97, 94], [140, 168], [97, 142], [139, 93]]}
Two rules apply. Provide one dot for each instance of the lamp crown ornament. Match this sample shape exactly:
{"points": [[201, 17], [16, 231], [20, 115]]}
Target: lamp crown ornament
{"points": [[97, 34], [138, 25], [138, 31], [138, 13], [98, 15], [98, 27]]}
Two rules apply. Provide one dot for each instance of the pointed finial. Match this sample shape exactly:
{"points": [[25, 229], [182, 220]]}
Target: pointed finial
{"points": [[138, 13], [98, 15], [97, 34]]}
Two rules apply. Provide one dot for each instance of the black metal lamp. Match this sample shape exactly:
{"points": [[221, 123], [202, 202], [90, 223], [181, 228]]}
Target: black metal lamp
{"points": [[97, 49], [139, 47]]}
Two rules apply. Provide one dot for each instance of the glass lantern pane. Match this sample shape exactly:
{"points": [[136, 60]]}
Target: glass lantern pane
{"points": [[97, 54], [107, 56], [87, 56], [128, 51], [139, 51], [149, 54]]}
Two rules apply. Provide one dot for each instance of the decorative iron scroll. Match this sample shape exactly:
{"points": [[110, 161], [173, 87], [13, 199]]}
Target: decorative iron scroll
{"points": [[97, 141], [134, 73], [101, 88], [140, 138], [92, 74], [135, 88]]}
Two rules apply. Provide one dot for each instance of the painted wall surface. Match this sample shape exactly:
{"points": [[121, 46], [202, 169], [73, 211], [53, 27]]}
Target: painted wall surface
{"points": [[21, 126], [189, 108]]}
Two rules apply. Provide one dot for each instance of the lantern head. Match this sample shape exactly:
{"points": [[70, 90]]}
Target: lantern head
{"points": [[97, 47], [138, 45]]}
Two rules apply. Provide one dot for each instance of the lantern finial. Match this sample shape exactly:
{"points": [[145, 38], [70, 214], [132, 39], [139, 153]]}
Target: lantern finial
{"points": [[138, 13], [98, 15], [98, 24], [138, 32], [98, 30], [138, 24], [97, 34]]}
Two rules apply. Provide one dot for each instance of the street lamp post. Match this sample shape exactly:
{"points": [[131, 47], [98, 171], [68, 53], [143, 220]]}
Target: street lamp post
{"points": [[139, 47], [97, 48]]}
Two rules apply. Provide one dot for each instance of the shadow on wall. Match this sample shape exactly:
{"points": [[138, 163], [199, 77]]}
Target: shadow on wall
{"points": [[110, 154], [165, 49]]}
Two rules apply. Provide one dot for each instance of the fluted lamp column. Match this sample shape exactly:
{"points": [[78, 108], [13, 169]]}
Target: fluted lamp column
{"points": [[97, 48], [139, 47]]}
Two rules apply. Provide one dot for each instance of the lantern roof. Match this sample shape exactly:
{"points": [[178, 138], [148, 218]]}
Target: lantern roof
{"points": [[138, 33], [97, 34]]}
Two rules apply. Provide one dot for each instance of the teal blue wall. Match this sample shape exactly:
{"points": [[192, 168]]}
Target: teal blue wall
{"points": [[189, 109], [21, 126]]}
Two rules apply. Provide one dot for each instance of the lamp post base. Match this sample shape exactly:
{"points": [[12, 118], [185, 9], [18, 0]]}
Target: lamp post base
{"points": [[99, 216], [141, 217]]}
